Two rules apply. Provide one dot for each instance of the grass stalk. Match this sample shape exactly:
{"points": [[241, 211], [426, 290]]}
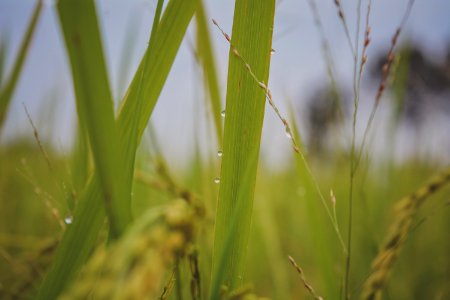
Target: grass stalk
{"points": [[384, 77], [356, 95], [343, 20], [355, 157], [252, 35]]}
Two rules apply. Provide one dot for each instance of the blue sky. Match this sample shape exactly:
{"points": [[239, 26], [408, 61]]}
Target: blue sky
{"points": [[297, 65]]}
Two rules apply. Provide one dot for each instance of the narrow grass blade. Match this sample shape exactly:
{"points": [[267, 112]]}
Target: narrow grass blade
{"points": [[7, 90], [95, 105], [252, 40], [206, 57], [79, 239]]}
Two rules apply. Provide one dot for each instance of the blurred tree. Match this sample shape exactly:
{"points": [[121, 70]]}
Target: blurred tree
{"points": [[420, 86], [324, 113]]}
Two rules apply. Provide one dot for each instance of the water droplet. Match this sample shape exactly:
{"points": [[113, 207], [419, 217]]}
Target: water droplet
{"points": [[301, 191], [68, 219], [219, 153], [223, 113], [217, 180], [288, 134]]}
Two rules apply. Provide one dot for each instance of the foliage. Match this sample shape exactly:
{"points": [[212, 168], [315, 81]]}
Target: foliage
{"points": [[165, 234]]}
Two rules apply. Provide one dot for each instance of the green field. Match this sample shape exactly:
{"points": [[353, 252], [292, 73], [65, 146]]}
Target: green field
{"points": [[112, 218]]}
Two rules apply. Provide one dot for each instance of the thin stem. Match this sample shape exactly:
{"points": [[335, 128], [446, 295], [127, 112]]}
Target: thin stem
{"points": [[385, 74], [344, 24], [326, 51], [356, 88], [303, 279], [178, 283], [356, 160]]}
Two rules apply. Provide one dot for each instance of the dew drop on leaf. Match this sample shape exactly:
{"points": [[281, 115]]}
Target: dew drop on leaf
{"points": [[68, 219]]}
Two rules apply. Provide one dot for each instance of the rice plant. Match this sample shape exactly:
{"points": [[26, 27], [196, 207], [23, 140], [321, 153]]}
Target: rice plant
{"points": [[114, 217]]}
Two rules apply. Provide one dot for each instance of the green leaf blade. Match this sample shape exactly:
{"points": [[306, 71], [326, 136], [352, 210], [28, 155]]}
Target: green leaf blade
{"points": [[95, 105], [252, 37]]}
